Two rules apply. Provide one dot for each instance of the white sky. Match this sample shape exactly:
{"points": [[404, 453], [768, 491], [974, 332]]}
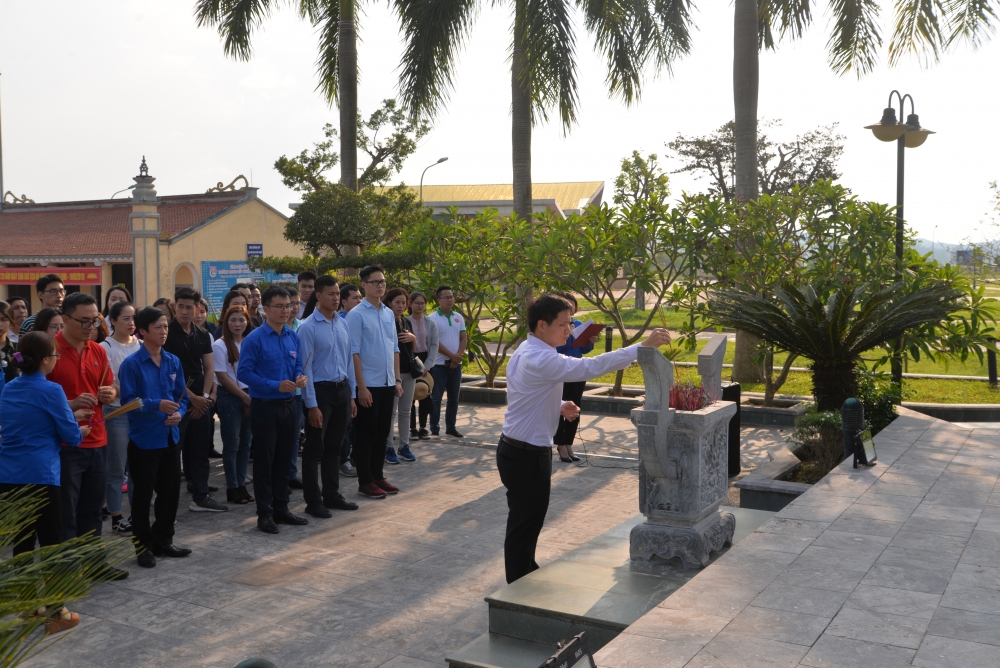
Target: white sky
{"points": [[89, 88]]}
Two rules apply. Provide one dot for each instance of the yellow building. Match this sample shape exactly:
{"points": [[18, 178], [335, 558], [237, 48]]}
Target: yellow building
{"points": [[561, 199], [149, 244]]}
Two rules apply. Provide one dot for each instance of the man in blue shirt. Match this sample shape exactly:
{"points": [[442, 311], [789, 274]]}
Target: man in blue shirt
{"points": [[375, 350], [271, 369], [328, 397], [157, 378]]}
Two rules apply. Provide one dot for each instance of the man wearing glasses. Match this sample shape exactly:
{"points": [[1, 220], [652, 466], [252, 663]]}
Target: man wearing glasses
{"points": [[375, 352], [271, 369], [84, 373], [51, 293]]}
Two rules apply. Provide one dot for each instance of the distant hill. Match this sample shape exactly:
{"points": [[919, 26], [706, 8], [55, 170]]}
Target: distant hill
{"points": [[943, 252]]}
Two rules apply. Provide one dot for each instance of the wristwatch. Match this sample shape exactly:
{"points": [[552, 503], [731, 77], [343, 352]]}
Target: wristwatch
{"points": [[206, 395]]}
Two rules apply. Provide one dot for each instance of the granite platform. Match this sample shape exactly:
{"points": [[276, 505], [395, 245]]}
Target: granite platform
{"points": [[893, 565], [592, 588]]}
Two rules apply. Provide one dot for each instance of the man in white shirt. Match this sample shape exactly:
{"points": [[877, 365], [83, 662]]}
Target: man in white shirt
{"points": [[447, 369], [535, 375]]}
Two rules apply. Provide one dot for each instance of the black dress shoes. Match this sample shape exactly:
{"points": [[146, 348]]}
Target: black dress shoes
{"points": [[294, 483], [340, 503], [317, 510], [146, 559], [454, 432], [266, 524], [170, 551], [288, 518]]}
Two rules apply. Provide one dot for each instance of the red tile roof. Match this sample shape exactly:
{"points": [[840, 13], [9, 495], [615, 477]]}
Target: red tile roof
{"points": [[98, 227]]}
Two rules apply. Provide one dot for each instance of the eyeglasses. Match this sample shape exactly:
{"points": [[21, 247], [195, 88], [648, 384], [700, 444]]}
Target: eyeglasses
{"points": [[56, 293], [87, 324], [280, 307], [376, 283]]}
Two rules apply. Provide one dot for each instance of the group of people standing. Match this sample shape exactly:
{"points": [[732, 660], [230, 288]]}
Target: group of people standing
{"points": [[341, 364]]}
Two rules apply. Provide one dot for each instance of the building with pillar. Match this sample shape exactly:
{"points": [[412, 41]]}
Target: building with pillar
{"points": [[150, 244]]}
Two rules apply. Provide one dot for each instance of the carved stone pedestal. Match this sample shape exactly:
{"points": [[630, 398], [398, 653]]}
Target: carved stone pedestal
{"points": [[683, 468], [693, 545]]}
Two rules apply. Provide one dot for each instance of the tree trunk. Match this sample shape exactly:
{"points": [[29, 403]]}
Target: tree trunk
{"points": [[520, 119], [745, 88], [347, 46], [833, 384]]}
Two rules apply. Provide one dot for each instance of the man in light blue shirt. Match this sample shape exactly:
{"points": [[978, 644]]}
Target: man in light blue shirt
{"points": [[375, 351], [325, 346]]}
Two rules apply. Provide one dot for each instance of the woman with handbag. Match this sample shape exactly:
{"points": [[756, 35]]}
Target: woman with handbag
{"points": [[233, 403], [410, 368], [426, 348]]}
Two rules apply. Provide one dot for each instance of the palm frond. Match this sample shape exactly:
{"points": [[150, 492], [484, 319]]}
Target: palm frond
{"points": [[433, 32], [326, 17], [236, 20], [782, 17], [549, 47], [855, 39], [917, 30], [970, 20]]}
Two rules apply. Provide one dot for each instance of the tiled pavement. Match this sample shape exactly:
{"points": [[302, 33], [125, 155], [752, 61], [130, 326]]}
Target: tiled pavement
{"points": [[890, 566]]}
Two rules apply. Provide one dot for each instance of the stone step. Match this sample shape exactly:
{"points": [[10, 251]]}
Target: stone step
{"points": [[492, 650]]}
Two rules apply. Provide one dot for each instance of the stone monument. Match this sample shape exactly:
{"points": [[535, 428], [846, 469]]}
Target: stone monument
{"points": [[683, 465]]}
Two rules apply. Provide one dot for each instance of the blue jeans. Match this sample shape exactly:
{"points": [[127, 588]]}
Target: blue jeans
{"points": [[235, 438], [445, 378], [117, 458]]}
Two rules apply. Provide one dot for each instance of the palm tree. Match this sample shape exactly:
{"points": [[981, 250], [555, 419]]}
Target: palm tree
{"points": [[631, 35], [336, 65], [834, 334]]}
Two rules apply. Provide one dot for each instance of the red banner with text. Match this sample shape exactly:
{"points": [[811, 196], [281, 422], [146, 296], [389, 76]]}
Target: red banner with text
{"points": [[69, 275]]}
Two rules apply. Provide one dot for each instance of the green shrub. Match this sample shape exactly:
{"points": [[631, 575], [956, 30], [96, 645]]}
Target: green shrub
{"points": [[819, 441], [880, 396]]}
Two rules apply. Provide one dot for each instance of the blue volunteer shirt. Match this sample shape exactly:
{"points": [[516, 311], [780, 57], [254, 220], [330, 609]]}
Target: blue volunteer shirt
{"points": [[36, 420], [139, 376], [326, 353], [373, 339], [568, 350], [266, 359]]}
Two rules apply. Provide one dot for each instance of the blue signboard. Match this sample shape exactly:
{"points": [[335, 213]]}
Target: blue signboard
{"points": [[217, 276], [255, 250]]}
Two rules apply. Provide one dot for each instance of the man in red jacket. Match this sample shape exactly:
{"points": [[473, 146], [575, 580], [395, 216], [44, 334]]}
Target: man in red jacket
{"points": [[85, 375]]}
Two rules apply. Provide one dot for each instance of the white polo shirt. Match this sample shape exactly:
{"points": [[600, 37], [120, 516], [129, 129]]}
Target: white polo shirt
{"points": [[450, 328], [535, 377]]}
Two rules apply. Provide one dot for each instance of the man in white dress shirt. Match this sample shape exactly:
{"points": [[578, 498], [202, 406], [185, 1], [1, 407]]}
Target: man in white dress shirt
{"points": [[535, 375]]}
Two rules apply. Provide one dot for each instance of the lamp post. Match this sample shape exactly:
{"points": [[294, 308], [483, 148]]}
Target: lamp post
{"points": [[440, 160], [906, 135], [123, 190]]}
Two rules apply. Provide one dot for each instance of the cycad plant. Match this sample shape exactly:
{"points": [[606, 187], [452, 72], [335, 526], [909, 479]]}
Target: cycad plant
{"points": [[49, 577], [834, 333]]}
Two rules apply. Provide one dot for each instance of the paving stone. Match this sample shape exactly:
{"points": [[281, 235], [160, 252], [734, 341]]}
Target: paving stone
{"points": [[732, 650], [867, 526], [836, 652], [808, 600], [878, 627], [796, 628], [931, 581], [634, 651], [894, 601], [681, 626], [967, 575], [966, 625], [852, 541], [975, 598], [938, 652]]}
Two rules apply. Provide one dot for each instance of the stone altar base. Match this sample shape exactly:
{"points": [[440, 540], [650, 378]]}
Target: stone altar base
{"points": [[693, 546], [593, 588]]}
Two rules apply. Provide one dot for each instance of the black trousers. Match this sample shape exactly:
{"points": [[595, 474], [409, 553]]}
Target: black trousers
{"points": [[566, 431], [83, 484], [274, 425], [197, 435], [324, 444], [372, 427], [47, 525], [527, 475], [154, 471]]}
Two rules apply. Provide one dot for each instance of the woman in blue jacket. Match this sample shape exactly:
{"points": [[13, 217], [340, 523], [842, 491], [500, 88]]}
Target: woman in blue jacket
{"points": [[566, 433], [29, 450]]}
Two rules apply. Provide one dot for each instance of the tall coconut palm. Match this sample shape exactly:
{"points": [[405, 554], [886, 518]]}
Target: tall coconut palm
{"points": [[336, 65], [834, 334], [922, 28], [631, 34]]}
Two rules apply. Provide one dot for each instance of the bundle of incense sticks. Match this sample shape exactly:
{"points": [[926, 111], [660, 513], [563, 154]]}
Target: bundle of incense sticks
{"points": [[135, 404]]}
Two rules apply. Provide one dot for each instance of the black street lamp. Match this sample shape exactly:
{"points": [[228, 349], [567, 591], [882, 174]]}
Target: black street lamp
{"points": [[906, 135]]}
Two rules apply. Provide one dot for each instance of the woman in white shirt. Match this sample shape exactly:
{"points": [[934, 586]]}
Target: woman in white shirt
{"points": [[233, 404], [118, 346]]}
